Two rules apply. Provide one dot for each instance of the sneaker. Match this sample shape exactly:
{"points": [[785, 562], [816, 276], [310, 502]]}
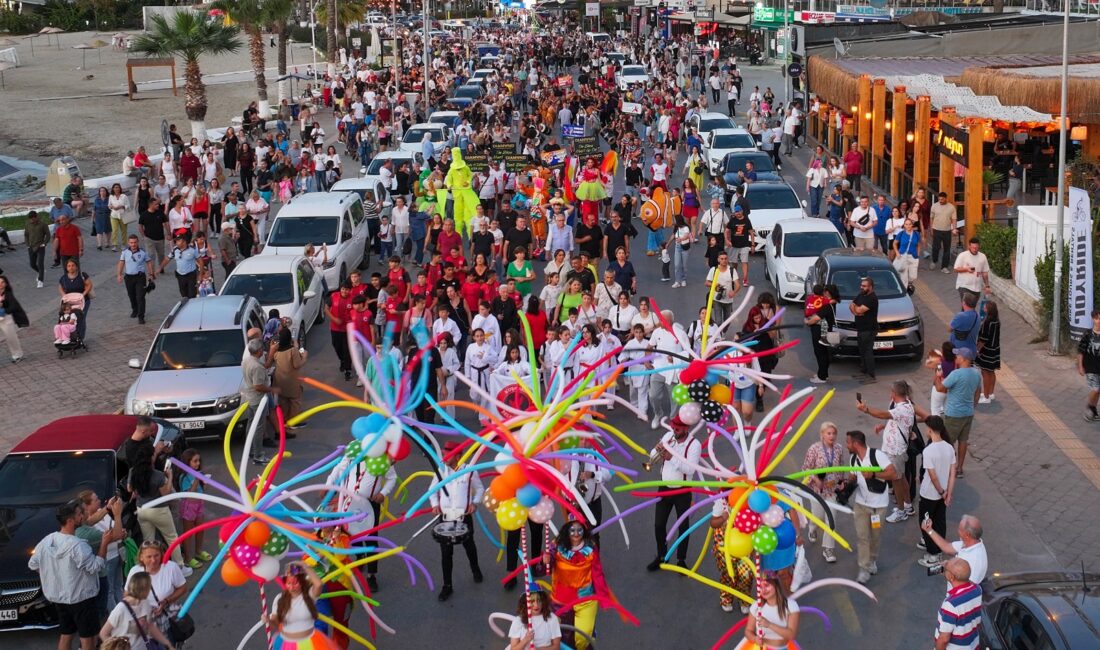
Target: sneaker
{"points": [[910, 510], [930, 560], [874, 568], [187, 571], [654, 565], [931, 266], [811, 535], [204, 556], [921, 545], [56, 341], [897, 515], [656, 422], [260, 460], [665, 279], [39, 284], [727, 608], [863, 577], [194, 563], [745, 608], [829, 555], [65, 341], [984, 400], [945, 271], [816, 380], [1090, 416], [445, 593], [478, 578]]}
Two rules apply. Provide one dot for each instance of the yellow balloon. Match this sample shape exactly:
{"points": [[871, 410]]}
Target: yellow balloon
{"points": [[738, 544], [721, 393], [511, 515]]}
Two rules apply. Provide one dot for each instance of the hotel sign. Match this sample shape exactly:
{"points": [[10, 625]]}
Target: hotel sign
{"points": [[953, 143]]}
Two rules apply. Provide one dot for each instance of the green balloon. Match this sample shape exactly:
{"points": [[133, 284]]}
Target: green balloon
{"points": [[764, 540], [680, 394], [569, 442], [353, 449], [276, 545], [377, 465]]}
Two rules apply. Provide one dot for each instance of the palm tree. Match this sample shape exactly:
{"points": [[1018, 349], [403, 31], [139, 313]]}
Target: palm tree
{"points": [[348, 12], [189, 36], [252, 16], [280, 12], [330, 35]]}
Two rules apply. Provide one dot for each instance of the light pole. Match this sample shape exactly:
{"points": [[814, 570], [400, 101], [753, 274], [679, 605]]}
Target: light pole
{"points": [[786, 58], [396, 66], [312, 32], [1056, 324], [427, 67]]}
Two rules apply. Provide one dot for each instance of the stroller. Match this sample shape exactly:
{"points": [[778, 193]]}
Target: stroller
{"points": [[76, 339]]}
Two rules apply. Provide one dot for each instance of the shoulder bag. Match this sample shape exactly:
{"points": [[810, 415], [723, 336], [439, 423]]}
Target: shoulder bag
{"points": [[180, 628], [150, 643]]}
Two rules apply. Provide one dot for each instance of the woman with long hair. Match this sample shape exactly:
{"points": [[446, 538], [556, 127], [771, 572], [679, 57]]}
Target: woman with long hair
{"points": [[759, 315], [989, 351], [538, 323], [772, 625], [694, 169], [101, 217], [535, 624], [130, 618], [679, 242], [295, 611], [569, 299]]}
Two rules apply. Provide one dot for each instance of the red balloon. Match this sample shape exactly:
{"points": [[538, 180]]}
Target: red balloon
{"points": [[747, 521], [695, 371], [403, 449]]}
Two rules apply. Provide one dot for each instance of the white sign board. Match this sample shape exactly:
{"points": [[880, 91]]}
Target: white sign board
{"points": [[632, 108], [1080, 263], [591, 9], [356, 42], [643, 3]]}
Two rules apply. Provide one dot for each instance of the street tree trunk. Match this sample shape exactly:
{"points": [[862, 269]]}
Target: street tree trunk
{"points": [[194, 98], [256, 53], [330, 35], [284, 85]]}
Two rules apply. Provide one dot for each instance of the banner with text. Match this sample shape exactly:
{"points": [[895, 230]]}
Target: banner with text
{"points": [[1080, 263], [588, 146]]}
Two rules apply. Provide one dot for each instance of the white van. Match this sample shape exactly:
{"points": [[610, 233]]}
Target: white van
{"points": [[332, 218]]}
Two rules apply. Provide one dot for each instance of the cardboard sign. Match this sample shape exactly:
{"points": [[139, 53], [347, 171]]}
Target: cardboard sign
{"points": [[554, 158], [564, 81], [632, 108], [572, 131], [584, 147], [502, 149], [477, 163], [516, 162]]}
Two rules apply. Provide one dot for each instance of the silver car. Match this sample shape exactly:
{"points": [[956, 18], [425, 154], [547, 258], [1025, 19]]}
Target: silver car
{"points": [[900, 329], [192, 373]]}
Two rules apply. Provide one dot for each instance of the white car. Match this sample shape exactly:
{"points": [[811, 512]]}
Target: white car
{"points": [[791, 248], [442, 137], [706, 123], [373, 170], [616, 57], [283, 282], [381, 195], [481, 74], [450, 118], [598, 37], [630, 75], [769, 203], [335, 219], [722, 142]]}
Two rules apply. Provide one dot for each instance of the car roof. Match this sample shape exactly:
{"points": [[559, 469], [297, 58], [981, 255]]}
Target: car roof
{"points": [[352, 184], [439, 114], [211, 312], [1060, 597], [265, 264], [317, 204], [80, 432], [427, 125], [842, 258], [805, 225], [758, 186], [397, 154], [713, 115], [729, 131]]}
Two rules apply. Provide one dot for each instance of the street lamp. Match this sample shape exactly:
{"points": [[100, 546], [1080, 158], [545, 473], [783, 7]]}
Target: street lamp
{"points": [[1056, 323], [312, 32]]}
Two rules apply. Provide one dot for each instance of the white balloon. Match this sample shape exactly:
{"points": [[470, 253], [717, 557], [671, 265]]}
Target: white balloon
{"points": [[501, 458], [267, 568], [525, 432], [392, 433], [378, 448]]}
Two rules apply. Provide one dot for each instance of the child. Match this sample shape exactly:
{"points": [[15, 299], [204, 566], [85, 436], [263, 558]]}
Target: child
{"points": [[206, 283], [399, 279], [609, 343], [572, 323], [286, 188], [66, 324], [386, 235], [454, 256], [422, 290], [636, 348], [450, 367], [666, 263], [381, 302], [191, 511], [481, 358], [713, 251], [550, 293], [511, 368], [271, 327], [485, 321], [545, 629]]}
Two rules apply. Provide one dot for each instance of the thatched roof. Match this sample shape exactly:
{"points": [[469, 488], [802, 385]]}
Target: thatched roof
{"points": [[833, 83], [1041, 92]]}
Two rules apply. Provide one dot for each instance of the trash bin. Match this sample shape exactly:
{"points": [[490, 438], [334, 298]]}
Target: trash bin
{"points": [[60, 172]]}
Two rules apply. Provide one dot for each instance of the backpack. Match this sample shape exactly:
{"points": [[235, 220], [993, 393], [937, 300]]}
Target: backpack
{"points": [[875, 485]]}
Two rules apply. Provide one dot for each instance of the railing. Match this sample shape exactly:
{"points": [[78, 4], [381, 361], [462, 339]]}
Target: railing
{"points": [[1076, 7]]}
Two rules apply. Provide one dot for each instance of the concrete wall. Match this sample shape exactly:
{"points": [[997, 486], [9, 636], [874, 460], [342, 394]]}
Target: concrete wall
{"points": [[167, 12]]}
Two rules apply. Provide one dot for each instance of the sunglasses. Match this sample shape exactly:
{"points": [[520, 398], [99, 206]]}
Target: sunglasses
{"points": [[152, 543]]}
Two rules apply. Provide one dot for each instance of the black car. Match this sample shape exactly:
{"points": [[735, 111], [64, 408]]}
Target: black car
{"points": [[47, 469], [466, 95], [735, 162], [1041, 611]]}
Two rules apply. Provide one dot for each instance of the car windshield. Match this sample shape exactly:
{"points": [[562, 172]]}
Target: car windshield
{"points": [[733, 141], [887, 284], [810, 244], [55, 478], [375, 167], [417, 134], [780, 197], [716, 123], [268, 288], [469, 92], [299, 231], [199, 349], [633, 71], [761, 163], [449, 120]]}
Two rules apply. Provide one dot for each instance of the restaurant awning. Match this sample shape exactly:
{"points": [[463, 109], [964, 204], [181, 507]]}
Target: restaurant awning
{"points": [[964, 99], [719, 17]]}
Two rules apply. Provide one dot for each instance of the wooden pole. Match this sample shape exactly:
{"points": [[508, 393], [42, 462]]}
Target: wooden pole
{"points": [[878, 130], [974, 190], [863, 125], [922, 131], [174, 93], [898, 128], [130, 81]]}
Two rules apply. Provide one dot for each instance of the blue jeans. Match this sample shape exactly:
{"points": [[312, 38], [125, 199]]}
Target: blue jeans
{"points": [[679, 263], [386, 250], [656, 238], [815, 202], [115, 581], [418, 250], [399, 242]]}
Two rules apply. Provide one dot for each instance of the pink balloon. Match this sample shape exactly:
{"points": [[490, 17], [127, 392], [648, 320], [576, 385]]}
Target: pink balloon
{"points": [[542, 512], [773, 516], [690, 413], [246, 555]]}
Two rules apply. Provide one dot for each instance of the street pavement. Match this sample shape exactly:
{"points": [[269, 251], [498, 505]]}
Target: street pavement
{"points": [[1030, 477]]}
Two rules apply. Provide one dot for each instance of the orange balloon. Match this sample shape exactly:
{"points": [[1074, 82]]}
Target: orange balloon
{"points": [[721, 393], [735, 495], [232, 573], [501, 489], [513, 476], [257, 534]]}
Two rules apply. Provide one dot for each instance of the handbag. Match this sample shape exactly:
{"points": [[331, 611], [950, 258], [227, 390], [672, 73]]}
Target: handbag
{"points": [[699, 169], [150, 644], [407, 247], [802, 574], [180, 628]]}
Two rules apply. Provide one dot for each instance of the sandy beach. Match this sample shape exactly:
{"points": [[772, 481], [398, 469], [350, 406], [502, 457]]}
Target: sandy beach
{"points": [[62, 109]]}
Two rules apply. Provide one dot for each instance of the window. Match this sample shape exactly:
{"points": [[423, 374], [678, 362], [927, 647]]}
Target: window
{"points": [[53, 479], [357, 211], [199, 349], [810, 244], [733, 141], [266, 288], [299, 231], [347, 230], [300, 278], [777, 236], [772, 197], [1019, 629], [307, 276]]}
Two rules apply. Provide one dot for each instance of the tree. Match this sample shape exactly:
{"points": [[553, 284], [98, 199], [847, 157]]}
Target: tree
{"points": [[252, 16], [280, 12], [330, 35], [348, 12], [189, 36]]}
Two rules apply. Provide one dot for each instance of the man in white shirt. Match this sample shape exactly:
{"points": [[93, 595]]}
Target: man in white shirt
{"points": [[862, 222], [969, 547], [456, 501], [607, 295], [790, 129], [660, 383], [728, 286], [680, 453], [713, 223], [364, 494], [972, 271], [869, 501]]}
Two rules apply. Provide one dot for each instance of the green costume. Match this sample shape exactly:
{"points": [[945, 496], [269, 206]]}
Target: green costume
{"points": [[458, 181]]}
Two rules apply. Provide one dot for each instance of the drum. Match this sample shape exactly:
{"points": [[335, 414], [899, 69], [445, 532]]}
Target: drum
{"points": [[451, 532], [516, 397]]}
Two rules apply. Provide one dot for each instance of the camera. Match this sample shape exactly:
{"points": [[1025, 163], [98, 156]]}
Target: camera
{"points": [[935, 570], [844, 492]]}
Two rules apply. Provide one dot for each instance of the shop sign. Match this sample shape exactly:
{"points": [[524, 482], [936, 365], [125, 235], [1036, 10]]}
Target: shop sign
{"points": [[770, 15], [953, 143], [862, 13], [816, 17]]}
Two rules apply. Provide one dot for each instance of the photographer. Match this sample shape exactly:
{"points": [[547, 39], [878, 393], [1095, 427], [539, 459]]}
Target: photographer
{"points": [[871, 500], [970, 546]]}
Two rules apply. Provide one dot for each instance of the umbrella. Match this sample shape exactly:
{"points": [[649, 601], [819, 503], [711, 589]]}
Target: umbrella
{"points": [[30, 39], [98, 44], [52, 30], [4, 65], [7, 42], [83, 47]]}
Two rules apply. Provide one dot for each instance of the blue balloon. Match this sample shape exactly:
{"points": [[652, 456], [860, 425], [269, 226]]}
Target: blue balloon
{"points": [[786, 534], [779, 559], [713, 376], [364, 426], [528, 496], [759, 501]]}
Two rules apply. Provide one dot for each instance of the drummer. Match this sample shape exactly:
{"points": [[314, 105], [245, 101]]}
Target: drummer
{"points": [[456, 502], [364, 494]]}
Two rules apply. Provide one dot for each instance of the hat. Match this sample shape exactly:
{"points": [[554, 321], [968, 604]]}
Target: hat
{"points": [[964, 353], [738, 208], [677, 423]]}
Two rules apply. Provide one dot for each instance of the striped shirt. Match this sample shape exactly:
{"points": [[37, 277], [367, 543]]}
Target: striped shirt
{"points": [[961, 616]]}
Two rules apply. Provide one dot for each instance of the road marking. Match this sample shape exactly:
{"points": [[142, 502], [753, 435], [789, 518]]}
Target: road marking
{"points": [[1061, 435]]}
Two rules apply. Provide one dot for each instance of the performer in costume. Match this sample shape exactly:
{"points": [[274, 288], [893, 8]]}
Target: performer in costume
{"points": [[295, 612], [367, 495], [451, 365], [590, 188], [777, 626], [481, 360], [465, 199], [674, 470], [742, 577], [636, 348], [456, 502]]}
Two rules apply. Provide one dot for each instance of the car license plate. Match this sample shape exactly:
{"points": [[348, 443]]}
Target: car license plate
{"points": [[879, 345], [9, 615], [200, 424]]}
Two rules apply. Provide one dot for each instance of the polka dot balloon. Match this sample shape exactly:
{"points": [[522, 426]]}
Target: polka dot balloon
{"points": [[712, 411], [747, 521], [699, 390]]}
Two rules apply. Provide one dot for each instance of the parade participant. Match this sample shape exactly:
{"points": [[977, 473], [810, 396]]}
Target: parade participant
{"points": [[741, 580], [363, 493], [680, 467], [773, 618], [295, 612], [535, 624], [456, 501], [590, 191], [451, 365], [458, 181], [578, 581]]}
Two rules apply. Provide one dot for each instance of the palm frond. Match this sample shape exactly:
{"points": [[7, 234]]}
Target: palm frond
{"points": [[187, 35]]}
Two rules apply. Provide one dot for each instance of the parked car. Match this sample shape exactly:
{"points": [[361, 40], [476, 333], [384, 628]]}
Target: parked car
{"points": [[283, 282], [373, 170], [618, 58], [790, 250], [900, 328], [191, 375], [735, 162], [1045, 611], [725, 141], [707, 123], [384, 198], [442, 136], [46, 469], [450, 118], [335, 219], [481, 74], [769, 203], [630, 75], [463, 96]]}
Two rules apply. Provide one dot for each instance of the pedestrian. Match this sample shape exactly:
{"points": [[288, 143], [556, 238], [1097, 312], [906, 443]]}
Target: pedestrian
{"points": [[820, 317], [728, 285], [882, 213], [989, 351], [861, 222], [742, 241], [191, 511], [853, 166], [1015, 186], [972, 268], [870, 501], [907, 245], [1088, 365], [68, 570], [817, 177], [68, 241], [73, 280], [899, 429], [970, 546], [773, 617], [959, 622], [826, 452], [256, 384], [290, 357], [12, 317], [98, 522], [36, 233], [151, 226], [678, 452], [937, 488], [664, 343], [679, 243], [535, 625], [148, 484], [962, 387], [456, 503], [942, 218], [188, 264], [121, 214], [864, 307], [134, 269], [130, 618], [364, 493]]}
